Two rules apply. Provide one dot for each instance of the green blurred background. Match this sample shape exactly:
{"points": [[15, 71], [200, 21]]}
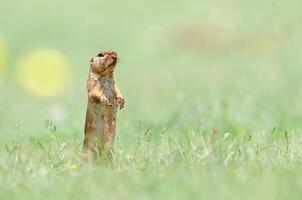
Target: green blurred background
{"points": [[184, 65], [210, 88]]}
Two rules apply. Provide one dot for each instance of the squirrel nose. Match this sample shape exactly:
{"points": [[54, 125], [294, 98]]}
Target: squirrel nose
{"points": [[114, 55], [91, 60]]}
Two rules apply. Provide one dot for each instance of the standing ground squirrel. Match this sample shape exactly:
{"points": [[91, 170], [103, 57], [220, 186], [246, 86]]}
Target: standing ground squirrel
{"points": [[104, 98]]}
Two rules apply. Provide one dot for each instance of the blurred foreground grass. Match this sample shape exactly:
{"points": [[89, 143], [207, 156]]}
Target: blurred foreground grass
{"points": [[211, 88], [262, 165]]}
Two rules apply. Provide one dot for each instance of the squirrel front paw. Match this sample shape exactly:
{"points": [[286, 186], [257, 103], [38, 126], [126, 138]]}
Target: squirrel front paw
{"points": [[120, 102], [95, 98], [106, 102], [102, 100]]}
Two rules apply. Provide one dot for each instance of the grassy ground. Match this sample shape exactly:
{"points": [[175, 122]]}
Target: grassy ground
{"points": [[212, 92], [200, 165]]}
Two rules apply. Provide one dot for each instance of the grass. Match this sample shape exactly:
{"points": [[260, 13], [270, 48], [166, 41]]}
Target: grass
{"points": [[199, 165], [212, 92]]}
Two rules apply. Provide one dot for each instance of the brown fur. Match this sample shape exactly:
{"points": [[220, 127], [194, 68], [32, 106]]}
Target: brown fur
{"points": [[104, 98]]}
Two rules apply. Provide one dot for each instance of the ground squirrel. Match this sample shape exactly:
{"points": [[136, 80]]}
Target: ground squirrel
{"points": [[104, 98]]}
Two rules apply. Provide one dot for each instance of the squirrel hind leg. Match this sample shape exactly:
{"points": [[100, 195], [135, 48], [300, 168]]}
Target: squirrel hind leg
{"points": [[90, 148]]}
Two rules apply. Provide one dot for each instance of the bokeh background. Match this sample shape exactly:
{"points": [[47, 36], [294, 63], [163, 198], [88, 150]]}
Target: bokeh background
{"points": [[232, 65], [195, 75]]}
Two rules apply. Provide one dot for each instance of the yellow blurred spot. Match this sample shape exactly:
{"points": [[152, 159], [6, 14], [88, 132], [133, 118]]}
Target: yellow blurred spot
{"points": [[2, 56], [72, 167], [43, 73]]}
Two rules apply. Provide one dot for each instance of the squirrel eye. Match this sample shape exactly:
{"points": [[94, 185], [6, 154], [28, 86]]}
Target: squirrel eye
{"points": [[100, 55]]}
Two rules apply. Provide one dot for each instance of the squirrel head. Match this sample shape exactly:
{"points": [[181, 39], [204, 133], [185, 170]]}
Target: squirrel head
{"points": [[104, 62]]}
